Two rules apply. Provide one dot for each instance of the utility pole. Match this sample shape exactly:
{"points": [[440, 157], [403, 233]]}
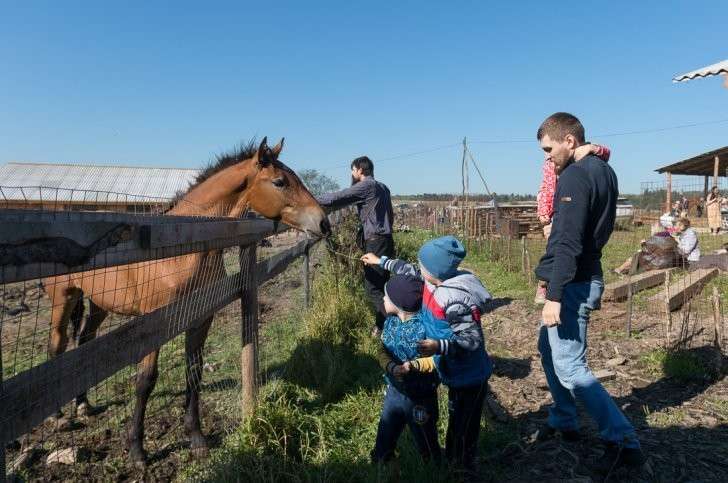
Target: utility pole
{"points": [[464, 171]]}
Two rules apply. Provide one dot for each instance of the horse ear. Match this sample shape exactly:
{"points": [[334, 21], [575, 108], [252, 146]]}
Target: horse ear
{"points": [[261, 156], [278, 148]]}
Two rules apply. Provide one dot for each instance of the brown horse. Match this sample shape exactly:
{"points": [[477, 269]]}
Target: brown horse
{"points": [[251, 177]]}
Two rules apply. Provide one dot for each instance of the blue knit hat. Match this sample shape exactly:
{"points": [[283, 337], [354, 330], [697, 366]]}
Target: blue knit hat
{"points": [[442, 256]]}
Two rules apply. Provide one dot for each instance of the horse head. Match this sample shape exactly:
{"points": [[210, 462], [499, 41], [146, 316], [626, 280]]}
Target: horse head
{"points": [[276, 192]]}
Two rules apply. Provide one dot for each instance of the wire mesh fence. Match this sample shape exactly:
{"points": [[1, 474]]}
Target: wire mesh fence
{"points": [[92, 283], [685, 297]]}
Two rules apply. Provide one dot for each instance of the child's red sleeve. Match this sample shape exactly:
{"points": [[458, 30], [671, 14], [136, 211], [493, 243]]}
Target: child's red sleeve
{"points": [[545, 196]]}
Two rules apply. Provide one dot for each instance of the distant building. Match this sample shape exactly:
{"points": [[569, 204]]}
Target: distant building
{"points": [[90, 188]]}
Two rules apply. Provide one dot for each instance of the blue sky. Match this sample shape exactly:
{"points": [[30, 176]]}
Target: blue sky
{"points": [[173, 83]]}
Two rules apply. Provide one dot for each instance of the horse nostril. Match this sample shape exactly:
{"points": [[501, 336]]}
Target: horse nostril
{"points": [[325, 226]]}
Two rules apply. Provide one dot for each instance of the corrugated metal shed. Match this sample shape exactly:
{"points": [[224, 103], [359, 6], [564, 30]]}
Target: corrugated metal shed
{"points": [[700, 165], [715, 69], [79, 183]]}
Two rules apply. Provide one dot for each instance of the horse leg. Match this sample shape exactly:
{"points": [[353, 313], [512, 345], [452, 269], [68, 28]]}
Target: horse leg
{"points": [[66, 303], [86, 333], [71, 307], [194, 343], [146, 379]]}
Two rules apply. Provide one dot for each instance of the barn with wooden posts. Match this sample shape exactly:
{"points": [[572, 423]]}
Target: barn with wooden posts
{"points": [[81, 187], [712, 164]]}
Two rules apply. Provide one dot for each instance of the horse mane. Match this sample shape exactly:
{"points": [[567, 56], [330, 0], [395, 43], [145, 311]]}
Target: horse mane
{"points": [[223, 161], [238, 154]]}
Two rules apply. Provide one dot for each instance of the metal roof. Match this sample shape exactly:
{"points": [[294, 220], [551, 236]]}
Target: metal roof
{"points": [[91, 183], [702, 164], [715, 69]]}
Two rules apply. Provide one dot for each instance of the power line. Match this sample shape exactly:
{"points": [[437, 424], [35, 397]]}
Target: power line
{"points": [[399, 156], [613, 134], [647, 131], [531, 140]]}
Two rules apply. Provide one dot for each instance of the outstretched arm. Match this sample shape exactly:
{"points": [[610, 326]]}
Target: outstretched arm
{"points": [[394, 265], [338, 199]]}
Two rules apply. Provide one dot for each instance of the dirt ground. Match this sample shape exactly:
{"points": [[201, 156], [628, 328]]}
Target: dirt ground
{"points": [[683, 426]]}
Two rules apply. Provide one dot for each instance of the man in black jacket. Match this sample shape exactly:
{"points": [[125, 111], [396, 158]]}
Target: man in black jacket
{"points": [[374, 205], [584, 212]]}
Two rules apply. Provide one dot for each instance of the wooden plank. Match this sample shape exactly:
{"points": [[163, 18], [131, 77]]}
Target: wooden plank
{"points": [[166, 235], [40, 249], [620, 289], [275, 265], [685, 288], [39, 392]]}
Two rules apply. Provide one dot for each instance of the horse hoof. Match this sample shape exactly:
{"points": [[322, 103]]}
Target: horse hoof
{"points": [[200, 452], [138, 458], [198, 446]]}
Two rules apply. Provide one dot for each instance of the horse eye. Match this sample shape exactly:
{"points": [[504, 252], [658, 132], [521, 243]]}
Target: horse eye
{"points": [[279, 182]]}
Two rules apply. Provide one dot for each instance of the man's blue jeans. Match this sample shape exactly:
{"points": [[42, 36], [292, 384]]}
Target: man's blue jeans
{"points": [[563, 356]]}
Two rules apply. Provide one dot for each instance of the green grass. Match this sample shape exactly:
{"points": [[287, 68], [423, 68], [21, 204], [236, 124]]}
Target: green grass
{"points": [[317, 416], [681, 365], [668, 417]]}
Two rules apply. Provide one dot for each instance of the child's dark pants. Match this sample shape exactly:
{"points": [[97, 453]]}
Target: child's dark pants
{"points": [[398, 411], [465, 408], [375, 276]]}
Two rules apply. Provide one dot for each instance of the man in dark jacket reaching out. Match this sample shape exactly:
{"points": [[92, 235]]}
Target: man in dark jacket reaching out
{"points": [[374, 206], [585, 209]]}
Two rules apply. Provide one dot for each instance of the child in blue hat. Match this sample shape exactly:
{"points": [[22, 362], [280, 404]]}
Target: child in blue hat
{"points": [[453, 302]]}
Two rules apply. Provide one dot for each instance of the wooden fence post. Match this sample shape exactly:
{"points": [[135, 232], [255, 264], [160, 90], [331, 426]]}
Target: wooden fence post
{"points": [[307, 277], [632, 270], [528, 266], [508, 249], [2, 440], [668, 313], [717, 320], [249, 324], [523, 255]]}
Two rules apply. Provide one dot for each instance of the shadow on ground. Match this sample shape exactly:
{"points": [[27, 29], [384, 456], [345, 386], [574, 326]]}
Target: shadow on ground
{"points": [[676, 451], [332, 370]]}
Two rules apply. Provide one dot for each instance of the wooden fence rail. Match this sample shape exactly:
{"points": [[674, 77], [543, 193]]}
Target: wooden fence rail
{"points": [[33, 244]]}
